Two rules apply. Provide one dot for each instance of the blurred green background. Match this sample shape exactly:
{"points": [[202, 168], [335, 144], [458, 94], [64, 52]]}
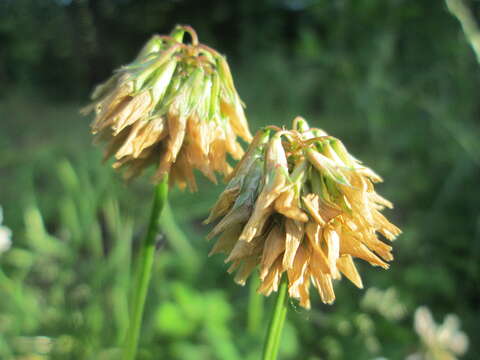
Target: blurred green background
{"points": [[396, 80]]}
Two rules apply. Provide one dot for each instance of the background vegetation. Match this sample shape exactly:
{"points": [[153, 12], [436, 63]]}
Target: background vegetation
{"points": [[395, 79]]}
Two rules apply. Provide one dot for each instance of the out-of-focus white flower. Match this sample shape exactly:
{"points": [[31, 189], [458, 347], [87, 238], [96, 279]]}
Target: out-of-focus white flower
{"points": [[441, 342], [5, 235], [385, 302]]}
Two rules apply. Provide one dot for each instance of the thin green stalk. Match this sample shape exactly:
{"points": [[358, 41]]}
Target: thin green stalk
{"points": [[461, 11], [144, 271], [255, 306], [272, 342]]}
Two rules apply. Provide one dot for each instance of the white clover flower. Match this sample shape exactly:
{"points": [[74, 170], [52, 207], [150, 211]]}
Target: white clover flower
{"points": [[441, 342], [385, 302], [5, 235]]}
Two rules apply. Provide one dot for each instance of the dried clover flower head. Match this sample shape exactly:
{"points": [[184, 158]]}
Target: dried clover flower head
{"points": [[175, 106], [299, 203]]}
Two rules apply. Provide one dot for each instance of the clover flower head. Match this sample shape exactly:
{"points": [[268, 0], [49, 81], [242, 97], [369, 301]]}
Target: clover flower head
{"points": [[441, 342], [175, 106], [299, 203]]}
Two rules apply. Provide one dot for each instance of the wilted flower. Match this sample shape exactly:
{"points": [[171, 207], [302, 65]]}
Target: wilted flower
{"points": [[175, 106], [441, 342], [5, 235], [299, 203]]}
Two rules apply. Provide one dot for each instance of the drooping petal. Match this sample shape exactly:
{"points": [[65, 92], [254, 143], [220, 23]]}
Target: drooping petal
{"points": [[347, 267], [294, 232]]}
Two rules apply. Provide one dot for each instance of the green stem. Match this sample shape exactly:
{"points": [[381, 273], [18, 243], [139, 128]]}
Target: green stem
{"points": [[144, 271], [272, 342], [255, 306], [461, 11]]}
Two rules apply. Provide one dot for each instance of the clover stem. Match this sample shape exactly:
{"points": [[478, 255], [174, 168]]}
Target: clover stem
{"points": [[272, 341], [255, 307], [144, 271]]}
